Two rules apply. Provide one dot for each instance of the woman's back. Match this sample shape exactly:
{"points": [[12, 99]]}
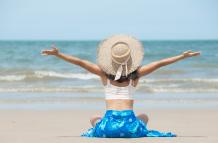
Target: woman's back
{"points": [[119, 96]]}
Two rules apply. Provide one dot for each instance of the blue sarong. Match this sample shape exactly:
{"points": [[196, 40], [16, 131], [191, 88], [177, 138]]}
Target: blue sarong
{"points": [[122, 124]]}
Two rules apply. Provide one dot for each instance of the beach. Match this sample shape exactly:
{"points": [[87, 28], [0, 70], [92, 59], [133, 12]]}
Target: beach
{"points": [[52, 54], [45, 117], [44, 99], [66, 125]]}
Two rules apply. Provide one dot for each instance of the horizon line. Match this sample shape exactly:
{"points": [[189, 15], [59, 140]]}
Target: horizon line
{"points": [[196, 39]]}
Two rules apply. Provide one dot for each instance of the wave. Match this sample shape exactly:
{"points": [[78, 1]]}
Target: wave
{"points": [[185, 80], [179, 85], [52, 89], [88, 89], [178, 90], [84, 76], [48, 81], [12, 77], [46, 74]]}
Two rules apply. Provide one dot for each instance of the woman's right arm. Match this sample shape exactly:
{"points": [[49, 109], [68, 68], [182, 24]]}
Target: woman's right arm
{"points": [[146, 69]]}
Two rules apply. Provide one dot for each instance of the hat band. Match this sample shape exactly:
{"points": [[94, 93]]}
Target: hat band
{"points": [[120, 69]]}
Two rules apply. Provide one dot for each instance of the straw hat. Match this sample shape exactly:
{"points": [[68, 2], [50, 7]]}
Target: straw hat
{"points": [[120, 55]]}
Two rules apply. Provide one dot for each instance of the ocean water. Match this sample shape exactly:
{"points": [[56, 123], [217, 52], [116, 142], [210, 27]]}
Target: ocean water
{"points": [[24, 70]]}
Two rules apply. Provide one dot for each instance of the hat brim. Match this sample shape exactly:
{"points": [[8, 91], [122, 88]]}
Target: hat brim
{"points": [[104, 53]]}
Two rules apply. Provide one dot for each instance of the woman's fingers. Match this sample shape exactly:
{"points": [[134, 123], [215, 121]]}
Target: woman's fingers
{"points": [[189, 53], [54, 51], [196, 53], [43, 53], [46, 52]]}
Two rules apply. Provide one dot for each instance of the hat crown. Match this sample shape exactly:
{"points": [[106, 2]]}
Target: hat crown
{"points": [[120, 52], [113, 51]]}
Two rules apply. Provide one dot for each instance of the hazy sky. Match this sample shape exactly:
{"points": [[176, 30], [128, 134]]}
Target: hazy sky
{"points": [[97, 19]]}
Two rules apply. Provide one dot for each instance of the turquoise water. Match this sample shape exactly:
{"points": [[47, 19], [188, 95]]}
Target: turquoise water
{"points": [[31, 81], [23, 69]]}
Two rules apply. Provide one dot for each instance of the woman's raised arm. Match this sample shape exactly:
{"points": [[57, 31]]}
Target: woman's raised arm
{"points": [[146, 69], [91, 67]]}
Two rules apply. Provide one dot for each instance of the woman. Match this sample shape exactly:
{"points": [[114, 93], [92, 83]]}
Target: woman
{"points": [[119, 58]]}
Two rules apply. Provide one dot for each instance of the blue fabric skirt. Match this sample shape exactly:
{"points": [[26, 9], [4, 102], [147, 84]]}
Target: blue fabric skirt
{"points": [[122, 124]]}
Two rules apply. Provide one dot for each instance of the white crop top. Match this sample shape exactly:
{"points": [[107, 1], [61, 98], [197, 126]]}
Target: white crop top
{"points": [[116, 92]]}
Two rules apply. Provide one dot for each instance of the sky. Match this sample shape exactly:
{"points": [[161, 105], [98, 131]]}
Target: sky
{"points": [[97, 19]]}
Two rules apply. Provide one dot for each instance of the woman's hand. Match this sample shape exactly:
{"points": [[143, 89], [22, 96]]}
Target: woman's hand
{"points": [[54, 51], [189, 53]]}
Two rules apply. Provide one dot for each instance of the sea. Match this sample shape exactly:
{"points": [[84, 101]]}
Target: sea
{"points": [[30, 80]]}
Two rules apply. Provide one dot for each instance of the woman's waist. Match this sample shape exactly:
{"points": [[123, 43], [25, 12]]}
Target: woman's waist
{"points": [[120, 113], [127, 96], [118, 94], [119, 104]]}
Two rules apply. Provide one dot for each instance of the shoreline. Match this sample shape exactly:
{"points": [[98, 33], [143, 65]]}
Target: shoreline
{"points": [[95, 101]]}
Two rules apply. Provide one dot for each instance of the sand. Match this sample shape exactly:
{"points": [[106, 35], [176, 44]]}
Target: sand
{"points": [[65, 126]]}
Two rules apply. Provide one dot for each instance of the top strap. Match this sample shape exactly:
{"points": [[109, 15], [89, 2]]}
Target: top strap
{"points": [[108, 81], [130, 82]]}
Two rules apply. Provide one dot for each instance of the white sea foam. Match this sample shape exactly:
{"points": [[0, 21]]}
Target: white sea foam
{"points": [[182, 90], [42, 74], [51, 89], [12, 77], [88, 89], [181, 80], [193, 85]]}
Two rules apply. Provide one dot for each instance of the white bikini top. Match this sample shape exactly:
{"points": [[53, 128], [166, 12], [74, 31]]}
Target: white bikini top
{"points": [[116, 92]]}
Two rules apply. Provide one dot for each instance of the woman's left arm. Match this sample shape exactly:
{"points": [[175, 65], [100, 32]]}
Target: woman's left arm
{"points": [[89, 66], [144, 70]]}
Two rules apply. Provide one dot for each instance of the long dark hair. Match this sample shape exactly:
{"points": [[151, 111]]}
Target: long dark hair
{"points": [[133, 75]]}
